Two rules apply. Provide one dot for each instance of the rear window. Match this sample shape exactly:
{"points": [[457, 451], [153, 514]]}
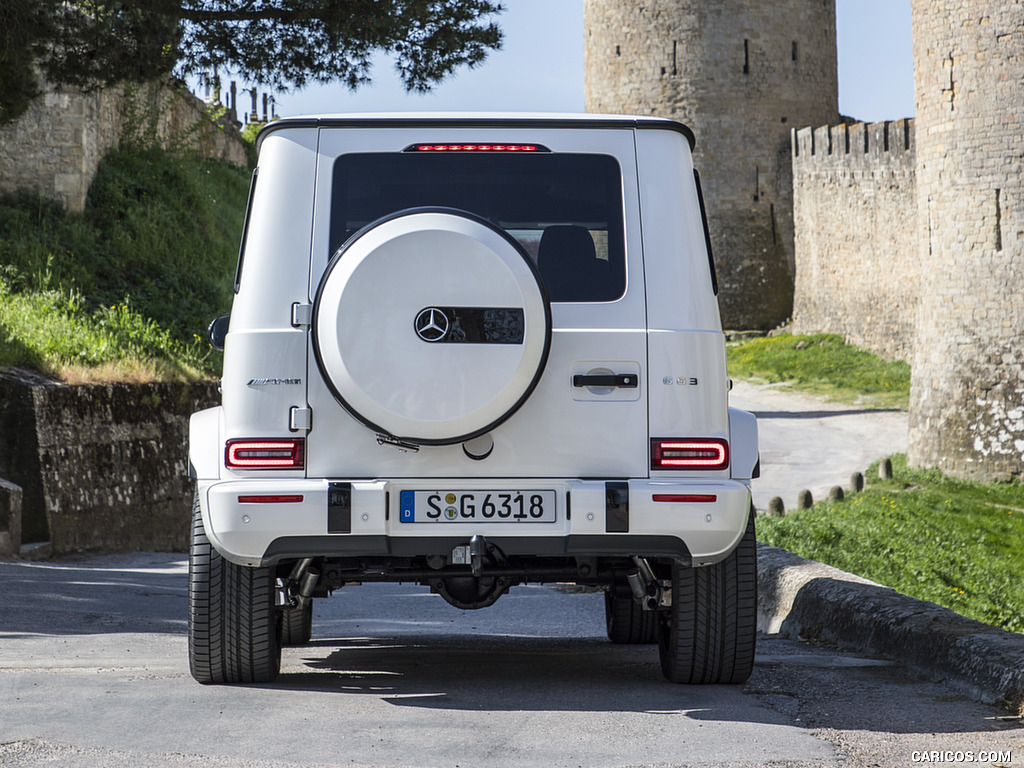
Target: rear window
{"points": [[564, 209]]}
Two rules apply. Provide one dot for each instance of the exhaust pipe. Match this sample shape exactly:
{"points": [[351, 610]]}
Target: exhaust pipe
{"points": [[299, 569], [309, 581], [637, 585], [298, 588], [644, 586]]}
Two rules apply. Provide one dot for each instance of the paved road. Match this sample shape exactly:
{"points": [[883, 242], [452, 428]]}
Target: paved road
{"points": [[93, 670], [93, 673]]}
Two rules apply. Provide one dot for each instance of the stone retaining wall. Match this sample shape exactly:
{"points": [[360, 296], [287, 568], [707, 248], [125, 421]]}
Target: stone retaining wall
{"points": [[10, 519], [101, 466]]}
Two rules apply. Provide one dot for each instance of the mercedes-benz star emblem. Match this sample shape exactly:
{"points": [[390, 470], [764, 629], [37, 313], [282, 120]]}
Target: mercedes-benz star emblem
{"points": [[432, 324]]}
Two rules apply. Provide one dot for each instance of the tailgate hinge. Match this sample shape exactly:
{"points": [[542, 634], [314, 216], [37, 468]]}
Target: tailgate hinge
{"points": [[302, 315], [300, 419]]}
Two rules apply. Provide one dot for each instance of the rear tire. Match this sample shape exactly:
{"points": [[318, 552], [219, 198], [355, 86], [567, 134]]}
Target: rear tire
{"points": [[297, 624], [627, 622], [709, 634], [233, 630]]}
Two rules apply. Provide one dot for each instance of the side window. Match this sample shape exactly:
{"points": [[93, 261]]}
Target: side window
{"points": [[245, 230], [564, 209]]}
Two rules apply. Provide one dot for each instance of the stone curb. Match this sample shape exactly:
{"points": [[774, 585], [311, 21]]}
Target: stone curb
{"points": [[800, 598]]}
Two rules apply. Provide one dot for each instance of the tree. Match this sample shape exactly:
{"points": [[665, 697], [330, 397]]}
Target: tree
{"points": [[278, 43]]}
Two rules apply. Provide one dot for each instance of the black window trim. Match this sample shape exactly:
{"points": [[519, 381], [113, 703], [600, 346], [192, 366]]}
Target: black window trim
{"points": [[707, 232]]}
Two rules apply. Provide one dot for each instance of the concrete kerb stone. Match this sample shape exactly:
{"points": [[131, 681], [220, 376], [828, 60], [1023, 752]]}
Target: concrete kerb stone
{"points": [[800, 598]]}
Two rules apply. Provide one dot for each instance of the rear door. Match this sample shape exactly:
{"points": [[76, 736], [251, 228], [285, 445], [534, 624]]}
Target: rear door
{"points": [[566, 198]]}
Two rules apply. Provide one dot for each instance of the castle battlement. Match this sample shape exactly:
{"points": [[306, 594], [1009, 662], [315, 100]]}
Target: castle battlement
{"points": [[874, 143], [855, 212]]}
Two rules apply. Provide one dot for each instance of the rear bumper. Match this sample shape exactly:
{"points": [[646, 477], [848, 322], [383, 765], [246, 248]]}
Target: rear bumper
{"points": [[694, 522], [293, 547]]}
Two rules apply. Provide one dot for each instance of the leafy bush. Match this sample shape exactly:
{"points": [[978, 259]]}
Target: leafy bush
{"points": [[136, 278]]}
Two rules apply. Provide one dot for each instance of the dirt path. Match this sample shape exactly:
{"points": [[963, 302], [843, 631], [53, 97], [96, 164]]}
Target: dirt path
{"points": [[807, 442]]}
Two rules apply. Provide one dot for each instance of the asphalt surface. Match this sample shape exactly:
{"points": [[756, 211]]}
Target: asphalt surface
{"points": [[94, 672]]}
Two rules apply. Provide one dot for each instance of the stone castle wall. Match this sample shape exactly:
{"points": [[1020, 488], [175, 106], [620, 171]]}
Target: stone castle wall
{"points": [[856, 234], [56, 147], [741, 74], [967, 385]]}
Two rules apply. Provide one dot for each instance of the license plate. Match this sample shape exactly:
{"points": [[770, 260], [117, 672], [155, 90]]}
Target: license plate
{"points": [[477, 507]]}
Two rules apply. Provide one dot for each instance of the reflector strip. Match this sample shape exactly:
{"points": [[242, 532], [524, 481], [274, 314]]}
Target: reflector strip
{"points": [[265, 454], [293, 498], [477, 148], [685, 498], [689, 454]]}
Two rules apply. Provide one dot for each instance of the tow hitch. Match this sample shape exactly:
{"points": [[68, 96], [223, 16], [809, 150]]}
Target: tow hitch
{"points": [[474, 590]]}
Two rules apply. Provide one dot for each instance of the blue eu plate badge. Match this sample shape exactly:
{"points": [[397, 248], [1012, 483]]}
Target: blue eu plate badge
{"points": [[407, 504]]}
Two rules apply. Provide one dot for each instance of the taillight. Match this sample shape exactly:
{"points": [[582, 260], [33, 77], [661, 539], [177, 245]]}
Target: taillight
{"points": [[475, 147], [710, 454], [265, 454]]}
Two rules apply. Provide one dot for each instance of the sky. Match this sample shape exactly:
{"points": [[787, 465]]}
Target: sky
{"points": [[540, 68]]}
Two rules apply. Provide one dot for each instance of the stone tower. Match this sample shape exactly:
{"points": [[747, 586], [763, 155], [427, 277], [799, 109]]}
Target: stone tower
{"points": [[967, 385], [741, 73]]}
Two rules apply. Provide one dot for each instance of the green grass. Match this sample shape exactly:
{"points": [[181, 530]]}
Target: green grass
{"points": [[824, 365], [956, 543], [51, 332], [126, 289]]}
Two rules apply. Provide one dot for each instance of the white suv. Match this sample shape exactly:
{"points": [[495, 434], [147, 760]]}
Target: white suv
{"points": [[473, 352]]}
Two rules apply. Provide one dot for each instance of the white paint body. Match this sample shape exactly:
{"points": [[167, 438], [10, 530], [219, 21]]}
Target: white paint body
{"points": [[665, 330]]}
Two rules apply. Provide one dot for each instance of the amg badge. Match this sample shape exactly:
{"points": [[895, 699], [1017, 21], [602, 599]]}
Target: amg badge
{"points": [[271, 382]]}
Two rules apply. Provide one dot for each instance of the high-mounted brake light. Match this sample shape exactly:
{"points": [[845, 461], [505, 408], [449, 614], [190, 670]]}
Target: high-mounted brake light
{"points": [[477, 148], [265, 454], [710, 454]]}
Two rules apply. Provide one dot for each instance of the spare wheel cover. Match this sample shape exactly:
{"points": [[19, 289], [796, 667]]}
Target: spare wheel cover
{"points": [[431, 325]]}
